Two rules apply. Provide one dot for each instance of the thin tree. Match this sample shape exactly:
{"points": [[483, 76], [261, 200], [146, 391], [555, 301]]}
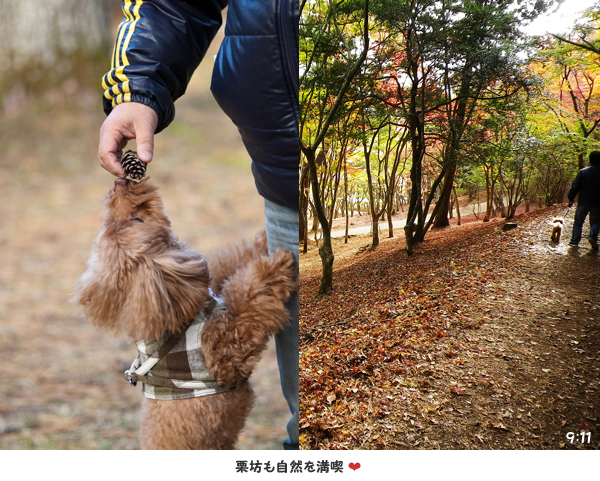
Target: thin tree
{"points": [[309, 147]]}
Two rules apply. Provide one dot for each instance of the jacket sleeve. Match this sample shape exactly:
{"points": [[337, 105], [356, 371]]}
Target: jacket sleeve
{"points": [[575, 187], [159, 45]]}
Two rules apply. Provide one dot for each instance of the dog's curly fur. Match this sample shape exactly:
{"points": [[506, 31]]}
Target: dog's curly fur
{"points": [[557, 225], [141, 281]]}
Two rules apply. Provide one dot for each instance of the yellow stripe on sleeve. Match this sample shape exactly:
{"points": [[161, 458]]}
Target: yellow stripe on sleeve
{"points": [[118, 72], [136, 14], [115, 82], [120, 99], [117, 49], [125, 24]]}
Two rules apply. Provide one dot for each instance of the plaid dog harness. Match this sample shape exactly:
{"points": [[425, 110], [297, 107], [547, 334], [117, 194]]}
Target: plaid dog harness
{"points": [[173, 367]]}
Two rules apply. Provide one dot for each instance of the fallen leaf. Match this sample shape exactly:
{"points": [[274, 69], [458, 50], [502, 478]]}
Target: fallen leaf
{"points": [[457, 390]]}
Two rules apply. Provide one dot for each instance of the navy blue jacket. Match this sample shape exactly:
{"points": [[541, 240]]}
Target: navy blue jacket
{"points": [[587, 185], [255, 79]]}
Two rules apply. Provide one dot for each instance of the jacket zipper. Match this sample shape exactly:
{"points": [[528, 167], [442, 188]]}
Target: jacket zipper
{"points": [[287, 31]]}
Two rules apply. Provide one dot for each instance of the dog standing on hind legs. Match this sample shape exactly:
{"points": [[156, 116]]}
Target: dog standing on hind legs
{"points": [[199, 331]]}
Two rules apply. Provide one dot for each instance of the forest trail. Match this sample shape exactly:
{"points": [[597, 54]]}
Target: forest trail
{"points": [[482, 340], [360, 225]]}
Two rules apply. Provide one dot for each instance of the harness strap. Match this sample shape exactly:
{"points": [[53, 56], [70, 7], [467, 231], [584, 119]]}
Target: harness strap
{"points": [[138, 372]]}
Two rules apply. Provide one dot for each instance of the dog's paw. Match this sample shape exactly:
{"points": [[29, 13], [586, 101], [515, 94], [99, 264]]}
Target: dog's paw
{"points": [[260, 243], [280, 274], [231, 347], [257, 293], [255, 297]]}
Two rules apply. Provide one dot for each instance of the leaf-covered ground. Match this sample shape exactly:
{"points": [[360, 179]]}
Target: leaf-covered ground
{"points": [[483, 339]]}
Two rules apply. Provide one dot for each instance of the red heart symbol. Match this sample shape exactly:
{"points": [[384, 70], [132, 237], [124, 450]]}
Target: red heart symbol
{"points": [[354, 466]]}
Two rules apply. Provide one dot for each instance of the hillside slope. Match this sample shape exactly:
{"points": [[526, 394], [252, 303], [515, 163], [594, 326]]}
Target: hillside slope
{"points": [[482, 340]]}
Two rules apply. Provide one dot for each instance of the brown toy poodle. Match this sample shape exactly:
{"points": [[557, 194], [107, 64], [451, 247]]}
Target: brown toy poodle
{"points": [[557, 226], [197, 346]]}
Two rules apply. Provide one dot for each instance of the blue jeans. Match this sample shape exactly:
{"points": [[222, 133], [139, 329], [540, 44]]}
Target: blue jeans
{"points": [[580, 214], [282, 232]]}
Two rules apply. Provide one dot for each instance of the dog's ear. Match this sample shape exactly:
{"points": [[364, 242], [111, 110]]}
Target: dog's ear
{"points": [[164, 292], [186, 277], [100, 295]]}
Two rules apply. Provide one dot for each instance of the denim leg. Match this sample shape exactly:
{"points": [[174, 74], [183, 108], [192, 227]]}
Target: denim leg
{"points": [[580, 215], [282, 232], [594, 223]]}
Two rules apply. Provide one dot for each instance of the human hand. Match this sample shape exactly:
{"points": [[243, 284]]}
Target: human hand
{"points": [[129, 120]]}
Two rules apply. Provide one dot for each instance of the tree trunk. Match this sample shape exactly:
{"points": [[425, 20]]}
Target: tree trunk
{"points": [[303, 227], [346, 200], [444, 200], [37, 37], [326, 250], [489, 194], [415, 208], [390, 221], [458, 221]]}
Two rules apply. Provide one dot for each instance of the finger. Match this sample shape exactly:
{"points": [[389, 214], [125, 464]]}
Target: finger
{"points": [[110, 152], [126, 121], [121, 148], [146, 121]]}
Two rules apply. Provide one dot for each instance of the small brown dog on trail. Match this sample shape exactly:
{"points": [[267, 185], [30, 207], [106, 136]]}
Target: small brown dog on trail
{"points": [[556, 230], [197, 343]]}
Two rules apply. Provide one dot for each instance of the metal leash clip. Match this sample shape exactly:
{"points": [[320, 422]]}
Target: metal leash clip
{"points": [[128, 376], [132, 371]]}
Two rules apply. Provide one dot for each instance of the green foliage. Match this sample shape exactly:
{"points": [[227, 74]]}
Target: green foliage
{"points": [[452, 91], [572, 83]]}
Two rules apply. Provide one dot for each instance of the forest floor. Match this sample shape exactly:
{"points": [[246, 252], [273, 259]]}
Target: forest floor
{"points": [[483, 339], [62, 385]]}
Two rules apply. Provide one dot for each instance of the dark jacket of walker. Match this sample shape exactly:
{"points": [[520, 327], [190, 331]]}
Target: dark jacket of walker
{"points": [[587, 185], [255, 77]]}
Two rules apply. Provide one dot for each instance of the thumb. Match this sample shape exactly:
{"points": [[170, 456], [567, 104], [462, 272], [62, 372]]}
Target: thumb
{"points": [[145, 124], [145, 145], [144, 134]]}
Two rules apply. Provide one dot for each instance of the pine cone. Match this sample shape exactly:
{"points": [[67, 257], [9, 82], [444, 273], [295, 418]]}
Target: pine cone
{"points": [[135, 169]]}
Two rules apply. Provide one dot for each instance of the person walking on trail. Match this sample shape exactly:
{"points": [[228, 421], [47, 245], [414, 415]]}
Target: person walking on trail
{"points": [[255, 81], [587, 185]]}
